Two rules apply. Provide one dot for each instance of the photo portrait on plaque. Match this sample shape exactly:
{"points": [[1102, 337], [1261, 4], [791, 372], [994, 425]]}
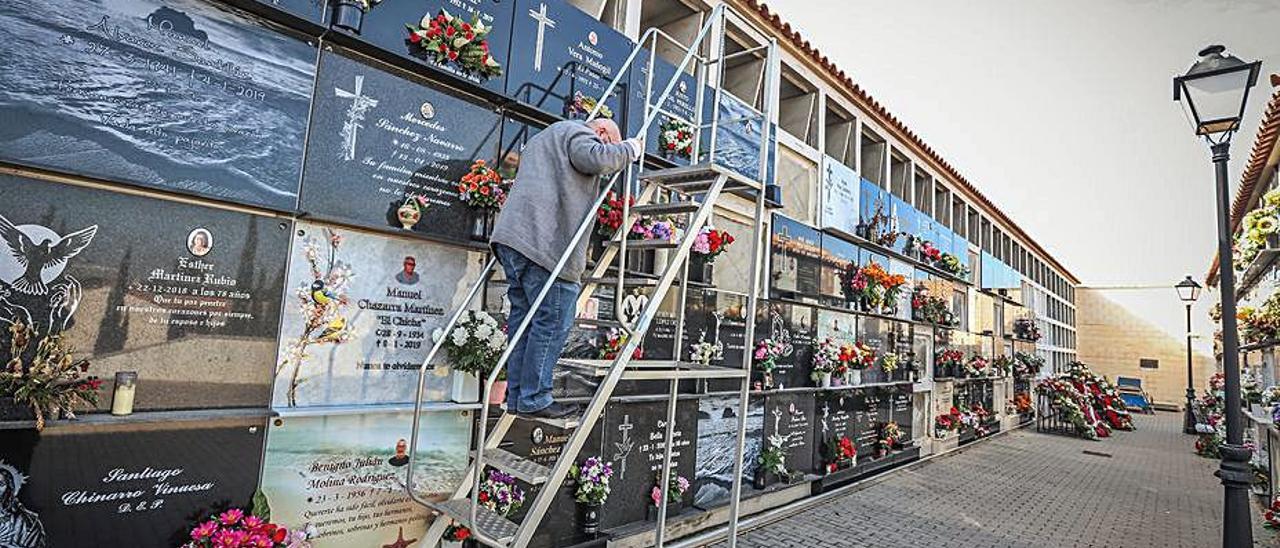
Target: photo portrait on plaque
{"points": [[185, 296], [182, 95]]}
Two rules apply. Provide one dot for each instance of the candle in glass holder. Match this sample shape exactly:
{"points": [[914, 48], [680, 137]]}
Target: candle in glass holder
{"points": [[122, 399]]}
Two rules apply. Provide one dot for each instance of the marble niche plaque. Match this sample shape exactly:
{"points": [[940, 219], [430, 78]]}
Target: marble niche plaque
{"points": [[181, 95], [384, 27], [900, 405], [840, 327], [681, 102], [869, 413], [796, 259], [795, 327], [564, 60], [788, 420], [346, 474], [840, 193], [186, 296], [139, 485], [839, 257], [634, 440], [834, 412], [359, 315], [379, 139], [717, 446]]}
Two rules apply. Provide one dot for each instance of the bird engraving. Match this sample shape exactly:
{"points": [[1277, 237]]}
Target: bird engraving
{"points": [[36, 257]]}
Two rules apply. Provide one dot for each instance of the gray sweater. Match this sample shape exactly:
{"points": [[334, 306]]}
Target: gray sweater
{"points": [[558, 181]]}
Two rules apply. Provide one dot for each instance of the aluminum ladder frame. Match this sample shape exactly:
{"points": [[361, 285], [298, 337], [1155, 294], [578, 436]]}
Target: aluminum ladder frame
{"points": [[677, 264]]}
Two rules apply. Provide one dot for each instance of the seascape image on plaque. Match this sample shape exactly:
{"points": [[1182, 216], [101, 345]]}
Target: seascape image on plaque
{"points": [[385, 26], [359, 315], [796, 259], [387, 151], [634, 437], [565, 60], [839, 259], [181, 95], [841, 327], [345, 474], [186, 296], [901, 268], [840, 193], [136, 485], [717, 445], [738, 138]]}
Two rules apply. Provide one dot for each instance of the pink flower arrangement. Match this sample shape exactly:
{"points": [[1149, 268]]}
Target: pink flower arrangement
{"points": [[678, 485], [236, 529]]}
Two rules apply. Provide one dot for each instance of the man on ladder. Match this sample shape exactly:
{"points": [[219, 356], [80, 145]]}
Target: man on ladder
{"points": [[560, 170]]}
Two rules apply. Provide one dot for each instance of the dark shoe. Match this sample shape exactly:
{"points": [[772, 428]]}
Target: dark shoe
{"points": [[555, 411]]}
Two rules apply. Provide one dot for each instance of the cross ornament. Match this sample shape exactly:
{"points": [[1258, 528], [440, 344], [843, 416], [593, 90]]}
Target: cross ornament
{"points": [[544, 23]]}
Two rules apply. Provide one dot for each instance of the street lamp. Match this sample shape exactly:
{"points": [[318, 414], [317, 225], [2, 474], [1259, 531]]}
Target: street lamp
{"points": [[1216, 89], [1189, 291]]}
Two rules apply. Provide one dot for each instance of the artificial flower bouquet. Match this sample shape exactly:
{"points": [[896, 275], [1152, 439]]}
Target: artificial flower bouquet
{"points": [[946, 423], [703, 352], [659, 229], [766, 356], [456, 533], [50, 382], [1258, 226], [710, 243], [951, 265], [1271, 515], [1026, 329], [592, 477], [609, 214], [499, 493], [891, 438], [677, 485], [1026, 364], [675, 138], [613, 345], [874, 289], [482, 187], [927, 307], [236, 528], [841, 454], [826, 359], [581, 106], [1002, 366], [475, 343], [976, 366], [451, 40], [948, 363]]}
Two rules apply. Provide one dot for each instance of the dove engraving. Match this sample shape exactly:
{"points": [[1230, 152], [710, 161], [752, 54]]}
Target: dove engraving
{"points": [[35, 257]]}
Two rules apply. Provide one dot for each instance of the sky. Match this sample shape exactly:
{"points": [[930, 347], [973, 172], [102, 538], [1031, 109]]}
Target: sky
{"points": [[1062, 113]]}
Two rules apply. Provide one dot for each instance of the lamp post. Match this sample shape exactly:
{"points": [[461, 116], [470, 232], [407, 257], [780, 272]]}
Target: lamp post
{"points": [[1189, 291], [1216, 90]]}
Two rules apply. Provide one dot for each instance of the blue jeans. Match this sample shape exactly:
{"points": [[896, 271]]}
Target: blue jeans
{"points": [[529, 371]]}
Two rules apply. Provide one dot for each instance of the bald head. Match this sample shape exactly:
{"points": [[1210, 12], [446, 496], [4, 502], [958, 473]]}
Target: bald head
{"points": [[606, 130]]}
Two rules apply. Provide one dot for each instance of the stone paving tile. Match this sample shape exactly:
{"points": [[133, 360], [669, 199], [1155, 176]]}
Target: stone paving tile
{"points": [[1030, 490]]}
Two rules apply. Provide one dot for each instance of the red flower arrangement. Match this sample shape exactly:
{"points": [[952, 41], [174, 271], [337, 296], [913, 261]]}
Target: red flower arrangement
{"points": [[948, 362], [710, 243], [457, 533], [842, 454], [482, 187], [609, 215], [613, 345], [449, 39]]}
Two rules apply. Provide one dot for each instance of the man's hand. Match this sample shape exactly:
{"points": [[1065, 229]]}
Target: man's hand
{"points": [[637, 147]]}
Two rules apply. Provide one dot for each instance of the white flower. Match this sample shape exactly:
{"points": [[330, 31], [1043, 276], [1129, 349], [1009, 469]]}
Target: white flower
{"points": [[459, 337], [497, 344], [437, 334], [483, 331]]}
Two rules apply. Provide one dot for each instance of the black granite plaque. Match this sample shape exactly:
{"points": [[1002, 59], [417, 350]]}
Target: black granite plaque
{"points": [[386, 26], [139, 485], [835, 419], [797, 252], [379, 140], [788, 422], [634, 437], [564, 59], [313, 14], [543, 444], [839, 258], [717, 447], [181, 95], [795, 327], [187, 296], [868, 417]]}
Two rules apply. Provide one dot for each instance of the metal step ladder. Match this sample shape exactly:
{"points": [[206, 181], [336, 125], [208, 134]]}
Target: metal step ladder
{"points": [[692, 192]]}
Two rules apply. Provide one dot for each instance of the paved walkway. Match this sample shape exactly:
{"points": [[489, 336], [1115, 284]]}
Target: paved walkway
{"points": [[1026, 489]]}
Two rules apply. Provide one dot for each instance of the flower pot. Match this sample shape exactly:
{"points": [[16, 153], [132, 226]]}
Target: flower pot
{"points": [[824, 380], [700, 270], [482, 225], [855, 377], [11, 410], [589, 518], [408, 215], [498, 393], [348, 16], [465, 387]]}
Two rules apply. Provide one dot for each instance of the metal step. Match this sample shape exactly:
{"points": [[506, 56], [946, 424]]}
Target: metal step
{"points": [[565, 423], [656, 369], [489, 523], [666, 208], [630, 281], [698, 178], [637, 245], [600, 322], [520, 467]]}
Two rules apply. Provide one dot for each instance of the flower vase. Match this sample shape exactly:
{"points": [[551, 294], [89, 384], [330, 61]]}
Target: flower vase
{"points": [[768, 380], [761, 479], [700, 270], [348, 15], [589, 518], [482, 225], [824, 379], [498, 394], [408, 215], [464, 387], [11, 410], [854, 378]]}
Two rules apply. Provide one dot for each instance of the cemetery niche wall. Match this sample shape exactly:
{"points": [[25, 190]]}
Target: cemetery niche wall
{"points": [[257, 213]]}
